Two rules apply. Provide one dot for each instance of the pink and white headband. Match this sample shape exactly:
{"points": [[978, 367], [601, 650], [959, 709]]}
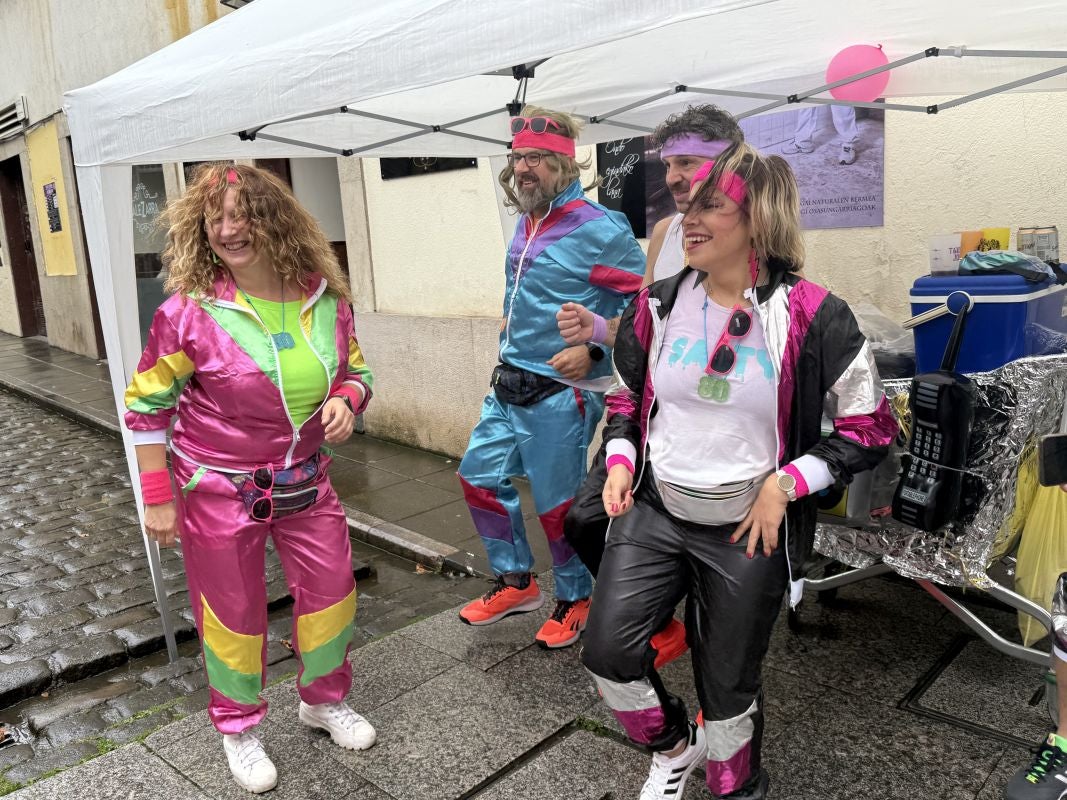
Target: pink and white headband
{"points": [[730, 183]]}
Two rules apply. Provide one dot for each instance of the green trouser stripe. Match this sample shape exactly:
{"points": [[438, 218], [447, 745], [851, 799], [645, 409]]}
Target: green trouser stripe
{"points": [[324, 331], [325, 658], [238, 686], [248, 334], [193, 481]]}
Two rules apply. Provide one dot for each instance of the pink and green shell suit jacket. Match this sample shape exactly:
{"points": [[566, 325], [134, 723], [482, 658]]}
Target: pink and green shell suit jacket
{"points": [[211, 362]]}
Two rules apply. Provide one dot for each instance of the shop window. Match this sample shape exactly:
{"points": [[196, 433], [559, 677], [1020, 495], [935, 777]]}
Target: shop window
{"points": [[149, 238], [408, 167]]}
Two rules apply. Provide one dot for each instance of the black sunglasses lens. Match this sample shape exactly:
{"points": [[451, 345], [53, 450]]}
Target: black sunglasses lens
{"points": [[539, 124], [740, 322], [261, 509], [517, 124], [262, 478], [723, 360]]}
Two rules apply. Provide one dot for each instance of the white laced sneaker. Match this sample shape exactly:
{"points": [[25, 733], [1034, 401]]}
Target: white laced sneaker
{"points": [[848, 154], [251, 766], [667, 777], [347, 728]]}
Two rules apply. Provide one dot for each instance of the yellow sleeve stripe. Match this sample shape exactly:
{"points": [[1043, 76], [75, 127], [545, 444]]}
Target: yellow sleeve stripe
{"points": [[160, 378]]}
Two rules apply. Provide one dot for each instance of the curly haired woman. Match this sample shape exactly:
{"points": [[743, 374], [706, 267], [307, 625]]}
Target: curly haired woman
{"points": [[255, 358]]}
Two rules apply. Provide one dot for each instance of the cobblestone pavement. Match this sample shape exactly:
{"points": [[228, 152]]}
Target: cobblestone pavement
{"points": [[80, 667]]}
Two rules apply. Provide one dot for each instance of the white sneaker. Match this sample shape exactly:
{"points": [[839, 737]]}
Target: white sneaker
{"points": [[848, 154], [251, 766], [347, 728], [667, 777]]}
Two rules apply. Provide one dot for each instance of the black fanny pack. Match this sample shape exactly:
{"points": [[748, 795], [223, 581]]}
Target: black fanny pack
{"points": [[520, 387]]}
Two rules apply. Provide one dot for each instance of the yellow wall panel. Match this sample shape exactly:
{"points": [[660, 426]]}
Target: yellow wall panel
{"points": [[50, 200]]}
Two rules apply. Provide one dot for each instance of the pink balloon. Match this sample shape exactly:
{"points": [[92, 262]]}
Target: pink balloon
{"points": [[855, 59]]}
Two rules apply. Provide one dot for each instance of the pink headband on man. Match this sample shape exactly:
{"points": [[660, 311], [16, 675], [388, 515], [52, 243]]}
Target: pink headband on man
{"points": [[553, 142], [692, 144], [731, 184]]}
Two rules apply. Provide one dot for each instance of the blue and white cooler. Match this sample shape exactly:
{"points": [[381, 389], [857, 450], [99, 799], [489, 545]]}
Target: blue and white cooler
{"points": [[1012, 318]]}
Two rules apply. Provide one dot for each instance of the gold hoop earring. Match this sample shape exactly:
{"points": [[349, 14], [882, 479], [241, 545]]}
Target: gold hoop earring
{"points": [[215, 258]]}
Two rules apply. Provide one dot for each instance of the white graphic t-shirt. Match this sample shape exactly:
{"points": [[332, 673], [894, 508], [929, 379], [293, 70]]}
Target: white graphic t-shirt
{"points": [[705, 439]]}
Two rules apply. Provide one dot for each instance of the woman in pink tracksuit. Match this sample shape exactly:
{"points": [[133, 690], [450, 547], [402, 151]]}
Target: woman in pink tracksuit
{"points": [[255, 359]]}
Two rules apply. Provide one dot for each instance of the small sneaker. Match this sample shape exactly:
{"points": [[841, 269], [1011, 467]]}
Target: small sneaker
{"points": [[848, 154], [566, 624], [251, 766], [666, 779], [792, 148], [669, 643], [1045, 778], [500, 601], [347, 728]]}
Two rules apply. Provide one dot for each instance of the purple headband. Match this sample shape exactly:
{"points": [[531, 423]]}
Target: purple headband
{"points": [[731, 184], [692, 144]]}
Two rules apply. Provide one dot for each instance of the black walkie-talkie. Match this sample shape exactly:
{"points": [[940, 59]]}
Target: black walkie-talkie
{"points": [[942, 411]]}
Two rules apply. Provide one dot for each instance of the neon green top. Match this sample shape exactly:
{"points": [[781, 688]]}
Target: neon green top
{"points": [[304, 380]]}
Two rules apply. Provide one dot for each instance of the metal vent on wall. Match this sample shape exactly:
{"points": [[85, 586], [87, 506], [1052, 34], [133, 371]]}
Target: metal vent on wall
{"points": [[13, 118]]}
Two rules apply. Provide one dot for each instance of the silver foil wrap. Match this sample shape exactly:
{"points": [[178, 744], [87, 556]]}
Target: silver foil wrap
{"points": [[1016, 404]]}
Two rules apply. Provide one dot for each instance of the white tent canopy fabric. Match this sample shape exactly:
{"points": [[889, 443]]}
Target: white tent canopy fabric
{"points": [[403, 67]]}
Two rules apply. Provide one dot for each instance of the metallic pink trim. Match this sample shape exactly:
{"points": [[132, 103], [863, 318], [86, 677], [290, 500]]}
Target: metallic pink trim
{"points": [[643, 726], [618, 280], [804, 301], [877, 429], [724, 777]]}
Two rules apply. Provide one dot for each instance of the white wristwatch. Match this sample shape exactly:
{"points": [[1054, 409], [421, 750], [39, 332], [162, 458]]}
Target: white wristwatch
{"points": [[787, 483]]}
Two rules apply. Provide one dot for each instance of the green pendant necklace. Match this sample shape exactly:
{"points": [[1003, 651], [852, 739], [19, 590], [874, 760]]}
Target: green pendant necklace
{"points": [[282, 340]]}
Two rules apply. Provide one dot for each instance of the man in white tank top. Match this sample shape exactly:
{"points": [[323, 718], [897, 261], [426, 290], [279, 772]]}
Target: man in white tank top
{"points": [[687, 140]]}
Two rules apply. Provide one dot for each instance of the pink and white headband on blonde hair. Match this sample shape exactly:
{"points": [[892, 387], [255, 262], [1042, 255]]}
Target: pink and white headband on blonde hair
{"points": [[730, 183], [692, 144]]}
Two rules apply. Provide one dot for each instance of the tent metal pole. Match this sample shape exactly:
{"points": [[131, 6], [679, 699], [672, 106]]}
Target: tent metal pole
{"points": [[796, 98], [357, 150], [281, 139], [473, 136], [735, 93], [628, 126], [312, 115], [392, 120], [826, 101], [1004, 87], [1009, 53], [162, 601], [603, 117]]}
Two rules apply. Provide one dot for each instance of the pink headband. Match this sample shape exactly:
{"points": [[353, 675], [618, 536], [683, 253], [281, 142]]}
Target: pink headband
{"points": [[731, 184], [231, 178], [692, 144], [553, 142]]}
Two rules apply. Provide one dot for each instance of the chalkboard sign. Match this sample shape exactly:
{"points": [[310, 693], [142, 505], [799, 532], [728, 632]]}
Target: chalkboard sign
{"points": [[622, 172]]}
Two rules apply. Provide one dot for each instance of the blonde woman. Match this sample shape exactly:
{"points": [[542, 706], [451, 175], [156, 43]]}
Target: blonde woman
{"points": [[726, 371], [254, 358]]}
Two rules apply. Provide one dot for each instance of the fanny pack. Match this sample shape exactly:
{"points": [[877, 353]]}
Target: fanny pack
{"points": [[726, 504], [295, 489], [520, 387]]}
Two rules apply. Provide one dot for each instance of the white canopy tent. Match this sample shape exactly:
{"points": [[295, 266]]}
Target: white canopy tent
{"points": [[434, 78]]}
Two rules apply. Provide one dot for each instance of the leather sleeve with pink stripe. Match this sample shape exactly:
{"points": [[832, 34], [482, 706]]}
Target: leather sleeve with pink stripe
{"points": [[623, 434]]}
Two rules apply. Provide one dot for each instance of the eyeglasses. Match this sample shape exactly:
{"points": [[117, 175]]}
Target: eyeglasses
{"points": [[535, 124], [532, 159], [263, 508], [725, 356]]}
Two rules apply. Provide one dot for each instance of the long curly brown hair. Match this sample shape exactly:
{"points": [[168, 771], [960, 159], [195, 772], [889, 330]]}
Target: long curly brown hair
{"points": [[281, 229]]}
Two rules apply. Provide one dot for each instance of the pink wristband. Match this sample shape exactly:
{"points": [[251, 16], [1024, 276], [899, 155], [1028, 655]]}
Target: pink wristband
{"points": [[600, 329], [156, 488], [618, 458]]}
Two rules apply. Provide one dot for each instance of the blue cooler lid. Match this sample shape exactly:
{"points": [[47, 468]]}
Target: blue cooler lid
{"points": [[976, 285]]}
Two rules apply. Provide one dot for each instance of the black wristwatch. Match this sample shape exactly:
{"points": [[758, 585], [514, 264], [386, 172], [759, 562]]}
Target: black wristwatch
{"points": [[347, 401], [595, 351]]}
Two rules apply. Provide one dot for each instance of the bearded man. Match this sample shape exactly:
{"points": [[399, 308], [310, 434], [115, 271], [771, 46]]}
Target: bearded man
{"points": [[546, 398]]}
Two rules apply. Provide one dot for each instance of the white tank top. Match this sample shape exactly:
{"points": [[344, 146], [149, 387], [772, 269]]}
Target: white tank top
{"points": [[669, 261]]}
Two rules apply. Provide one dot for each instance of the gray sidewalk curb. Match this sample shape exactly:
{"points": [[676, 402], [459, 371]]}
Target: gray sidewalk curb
{"points": [[387, 536]]}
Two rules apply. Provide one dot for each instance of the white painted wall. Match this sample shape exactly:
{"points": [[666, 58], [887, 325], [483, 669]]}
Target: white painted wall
{"points": [[317, 187]]}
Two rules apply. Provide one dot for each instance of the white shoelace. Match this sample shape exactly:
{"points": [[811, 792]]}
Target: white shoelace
{"points": [[663, 769], [344, 715], [249, 750]]}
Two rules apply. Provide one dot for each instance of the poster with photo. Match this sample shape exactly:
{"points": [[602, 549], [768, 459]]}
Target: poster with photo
{"points": [[622, 180], [837, 153]]}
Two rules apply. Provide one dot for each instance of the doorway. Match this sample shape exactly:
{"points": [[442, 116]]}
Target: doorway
{"points": [[20, 246]]}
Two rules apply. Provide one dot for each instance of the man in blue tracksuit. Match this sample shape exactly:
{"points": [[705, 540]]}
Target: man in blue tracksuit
{"points": [[546, 398]]}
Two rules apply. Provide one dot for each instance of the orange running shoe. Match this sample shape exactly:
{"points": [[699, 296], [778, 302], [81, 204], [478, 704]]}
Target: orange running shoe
{"points": [[669, 643], [700, 717], [565, 625], [500, 601]]}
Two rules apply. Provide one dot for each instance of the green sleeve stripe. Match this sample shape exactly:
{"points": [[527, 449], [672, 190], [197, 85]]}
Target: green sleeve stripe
{"points": [[160, 401]]}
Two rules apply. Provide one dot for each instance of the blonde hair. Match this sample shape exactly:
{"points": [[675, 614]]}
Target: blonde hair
{"points": [[772, 203], [281, 230], [567, 169]]}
